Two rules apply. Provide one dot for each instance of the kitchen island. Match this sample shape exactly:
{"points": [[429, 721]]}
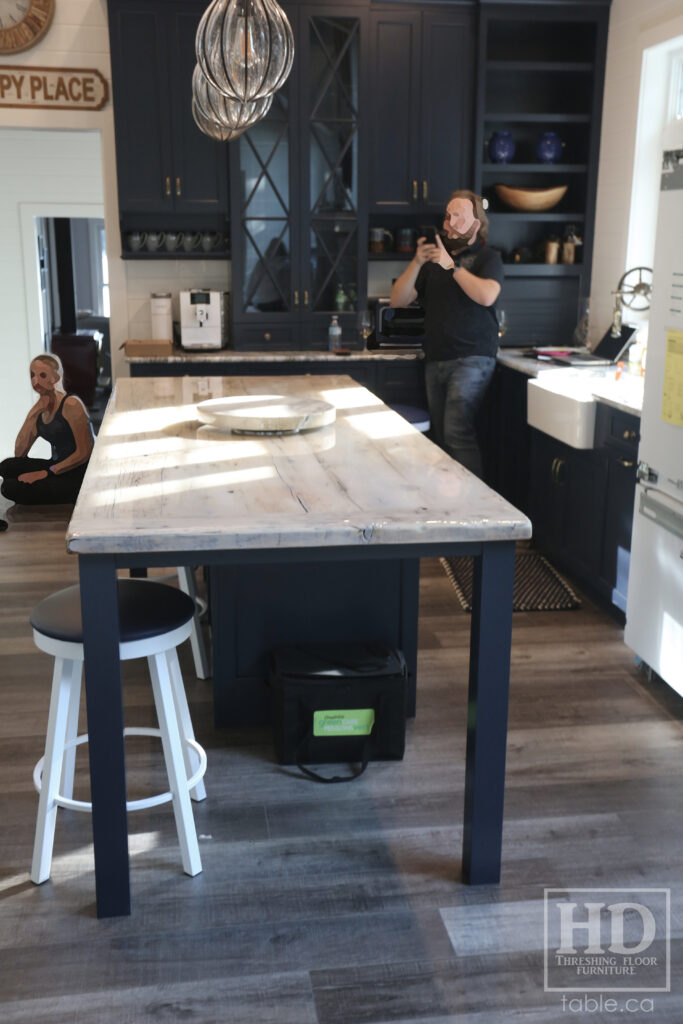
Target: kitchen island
{"points": [[161, 489]]}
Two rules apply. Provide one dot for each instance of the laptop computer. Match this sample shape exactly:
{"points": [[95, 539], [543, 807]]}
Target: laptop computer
{"points": [[609, 350]]}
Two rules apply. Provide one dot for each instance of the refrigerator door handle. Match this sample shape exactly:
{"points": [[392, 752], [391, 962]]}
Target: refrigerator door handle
{"points": [[661, 514]]}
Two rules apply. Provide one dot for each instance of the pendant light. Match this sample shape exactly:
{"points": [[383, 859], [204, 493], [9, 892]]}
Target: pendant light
{"points": [[221, 118], [245, 48]]}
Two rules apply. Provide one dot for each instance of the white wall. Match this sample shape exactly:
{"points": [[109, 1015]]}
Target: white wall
{"points": [[634, 27], [35, 169], [56, 161], [47, 173]]}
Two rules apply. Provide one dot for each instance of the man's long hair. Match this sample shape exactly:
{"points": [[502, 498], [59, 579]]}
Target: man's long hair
{"points": [[477, 206]]}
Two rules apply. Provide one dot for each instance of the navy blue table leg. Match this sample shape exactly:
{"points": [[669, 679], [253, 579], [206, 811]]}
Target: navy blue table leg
{"points": [[487, 710], [104, 700]]}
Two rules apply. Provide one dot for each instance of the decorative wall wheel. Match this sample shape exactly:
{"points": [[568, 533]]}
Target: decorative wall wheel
{"points": [[635, 288]]}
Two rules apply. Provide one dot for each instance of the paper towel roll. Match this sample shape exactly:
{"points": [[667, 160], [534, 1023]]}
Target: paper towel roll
{"points": [[162, 317]]}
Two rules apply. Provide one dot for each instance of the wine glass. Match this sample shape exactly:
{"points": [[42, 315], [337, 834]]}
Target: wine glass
{"points": [[502, 318], [365, 326]]}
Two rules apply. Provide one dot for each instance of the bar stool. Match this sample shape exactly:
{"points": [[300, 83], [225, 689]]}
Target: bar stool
{"points": [[414, 414], [153, 619]]}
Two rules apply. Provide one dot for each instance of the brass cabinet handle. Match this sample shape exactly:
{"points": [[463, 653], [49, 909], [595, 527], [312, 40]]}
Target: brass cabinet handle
{"points": [[425, 191], [266, 336], [627, 463], [556, 469], [296, 300], [167, 189], [415, 189], [178, 190], [305, 299], [629, 435]]}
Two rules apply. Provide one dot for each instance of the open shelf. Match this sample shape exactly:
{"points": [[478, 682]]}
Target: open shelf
{"points": [[534, 168], [178, 254], [543, 269], [539, 65], [548, 215], [523, 117]]}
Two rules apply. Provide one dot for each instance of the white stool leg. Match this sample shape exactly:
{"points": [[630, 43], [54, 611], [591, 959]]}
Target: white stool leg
{"points": [[66, 676], [175, 765], [188, 586], [69, 763], [184, 721]]}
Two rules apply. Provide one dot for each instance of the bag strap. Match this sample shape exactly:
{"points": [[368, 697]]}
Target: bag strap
{"points": [[365, 754]]}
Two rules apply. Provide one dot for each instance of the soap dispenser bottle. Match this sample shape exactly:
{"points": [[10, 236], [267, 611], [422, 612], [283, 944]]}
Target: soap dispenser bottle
{"points": [[334, 335]]}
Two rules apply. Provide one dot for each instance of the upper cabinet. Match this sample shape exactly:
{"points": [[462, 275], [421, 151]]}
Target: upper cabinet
{"points": [[539, 99], [298, 193], [170, 175], [420, 106]]}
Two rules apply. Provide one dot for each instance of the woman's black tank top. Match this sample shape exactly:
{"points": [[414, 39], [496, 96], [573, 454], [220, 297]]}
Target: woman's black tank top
{"points": [[58, 434]]}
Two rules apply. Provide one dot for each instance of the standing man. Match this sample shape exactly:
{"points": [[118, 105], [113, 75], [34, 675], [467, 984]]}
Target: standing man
{"points": [[457, 284]]}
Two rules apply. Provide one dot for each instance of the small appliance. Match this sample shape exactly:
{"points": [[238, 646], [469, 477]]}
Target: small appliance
{"points": [[203, 318], [397, 328]]}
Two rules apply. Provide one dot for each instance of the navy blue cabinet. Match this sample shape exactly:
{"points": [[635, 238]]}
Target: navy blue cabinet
{"points": [[567, 508], [420, 106], [169, 173], [616, 436], [298, 187]]}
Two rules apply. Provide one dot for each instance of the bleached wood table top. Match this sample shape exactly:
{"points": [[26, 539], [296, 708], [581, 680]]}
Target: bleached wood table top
{"points": [[160, 480]]}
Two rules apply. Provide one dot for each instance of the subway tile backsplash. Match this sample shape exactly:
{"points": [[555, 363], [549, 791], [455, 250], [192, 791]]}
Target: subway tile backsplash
{"points": [[143, 277]]}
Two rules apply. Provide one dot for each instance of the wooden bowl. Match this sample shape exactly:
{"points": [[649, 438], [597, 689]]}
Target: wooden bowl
{"points": [[532, 200]]}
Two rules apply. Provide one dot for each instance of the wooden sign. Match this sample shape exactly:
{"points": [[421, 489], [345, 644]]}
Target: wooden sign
{"points": [[52, 88]]}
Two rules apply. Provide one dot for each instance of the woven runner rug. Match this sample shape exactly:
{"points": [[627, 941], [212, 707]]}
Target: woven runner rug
{"points": [[538, 586]]}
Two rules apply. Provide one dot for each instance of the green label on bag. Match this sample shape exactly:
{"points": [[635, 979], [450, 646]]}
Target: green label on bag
{"points": [[355, 722]]}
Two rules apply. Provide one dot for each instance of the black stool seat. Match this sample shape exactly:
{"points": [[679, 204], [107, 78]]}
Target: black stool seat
{"points": [[145, 610], [413, 413]]}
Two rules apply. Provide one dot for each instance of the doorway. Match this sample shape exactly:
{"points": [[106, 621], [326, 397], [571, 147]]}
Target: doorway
{"points": [[74, 304]]}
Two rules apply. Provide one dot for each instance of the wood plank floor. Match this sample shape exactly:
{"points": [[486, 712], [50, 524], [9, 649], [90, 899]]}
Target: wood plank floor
{"points": [[340, 904]]}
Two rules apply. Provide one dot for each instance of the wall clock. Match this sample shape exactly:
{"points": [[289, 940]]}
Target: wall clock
{"points": [[23, 23]]}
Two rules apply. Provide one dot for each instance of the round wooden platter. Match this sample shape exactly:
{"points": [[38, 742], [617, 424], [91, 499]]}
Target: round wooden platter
{"points": [[266, 414]]}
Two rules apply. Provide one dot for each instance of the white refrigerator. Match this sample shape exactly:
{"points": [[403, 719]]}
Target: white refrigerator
{"points": [[654, 609]]}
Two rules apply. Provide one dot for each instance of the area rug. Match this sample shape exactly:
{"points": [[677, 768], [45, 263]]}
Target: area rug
{"points": [[538, 586]]}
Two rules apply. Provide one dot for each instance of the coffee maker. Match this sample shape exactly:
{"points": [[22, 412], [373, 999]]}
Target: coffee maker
{"points": [[203, 318]]}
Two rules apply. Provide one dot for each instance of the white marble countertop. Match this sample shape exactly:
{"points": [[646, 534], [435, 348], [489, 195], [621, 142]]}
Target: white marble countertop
{"points": [[625, 394], [229, 355], [159, 480]]}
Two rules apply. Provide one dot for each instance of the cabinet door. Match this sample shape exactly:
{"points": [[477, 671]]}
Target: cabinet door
{"points": [[333, 175], [394, 110], [585, 485], [141, 109], [200, 165], [446, 105], [616, 554], [547, 502]]}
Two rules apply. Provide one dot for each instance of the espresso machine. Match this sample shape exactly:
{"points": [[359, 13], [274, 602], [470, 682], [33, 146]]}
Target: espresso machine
{"points": [[203, 318]]}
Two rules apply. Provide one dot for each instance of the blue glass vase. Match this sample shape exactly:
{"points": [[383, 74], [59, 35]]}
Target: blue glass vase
{"points": [[549, 148], [501, 147]]}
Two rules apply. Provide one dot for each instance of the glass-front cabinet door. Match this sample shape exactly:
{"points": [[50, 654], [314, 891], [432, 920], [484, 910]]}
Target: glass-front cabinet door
{"points": [[299, 195]]}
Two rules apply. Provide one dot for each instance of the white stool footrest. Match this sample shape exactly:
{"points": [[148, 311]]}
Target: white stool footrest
{"points": [[131, 805]]}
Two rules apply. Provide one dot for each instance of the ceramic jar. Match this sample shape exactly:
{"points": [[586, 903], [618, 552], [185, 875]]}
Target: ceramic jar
{"points": [[501, 147], [549, 148]]}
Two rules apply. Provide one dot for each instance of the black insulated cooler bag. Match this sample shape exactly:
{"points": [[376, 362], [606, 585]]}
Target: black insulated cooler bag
{"points": [[336, 703]]}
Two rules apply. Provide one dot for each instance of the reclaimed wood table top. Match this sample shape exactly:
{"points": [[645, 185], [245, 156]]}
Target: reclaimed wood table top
{"points": [[160, 480]]}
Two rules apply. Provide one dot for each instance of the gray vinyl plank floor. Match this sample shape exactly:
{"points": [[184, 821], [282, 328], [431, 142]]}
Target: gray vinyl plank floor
{"points": [[341, 904]]}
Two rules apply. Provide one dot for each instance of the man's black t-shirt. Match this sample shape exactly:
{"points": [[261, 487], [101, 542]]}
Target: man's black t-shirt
{"points": [[455, 325]]}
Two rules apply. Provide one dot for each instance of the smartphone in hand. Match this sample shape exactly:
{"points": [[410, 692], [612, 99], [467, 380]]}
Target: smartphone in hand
{"points": [[428, 232]]}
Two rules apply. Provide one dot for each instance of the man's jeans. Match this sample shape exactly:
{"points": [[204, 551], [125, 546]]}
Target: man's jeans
{"points": [[455, 388]]}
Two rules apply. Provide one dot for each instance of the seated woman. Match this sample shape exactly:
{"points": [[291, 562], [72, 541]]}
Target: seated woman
{"points": [[63, 421]]}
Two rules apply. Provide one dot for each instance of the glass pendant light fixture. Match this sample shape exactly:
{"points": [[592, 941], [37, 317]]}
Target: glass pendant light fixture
{"points": [[218, 116], [245, 48]]}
